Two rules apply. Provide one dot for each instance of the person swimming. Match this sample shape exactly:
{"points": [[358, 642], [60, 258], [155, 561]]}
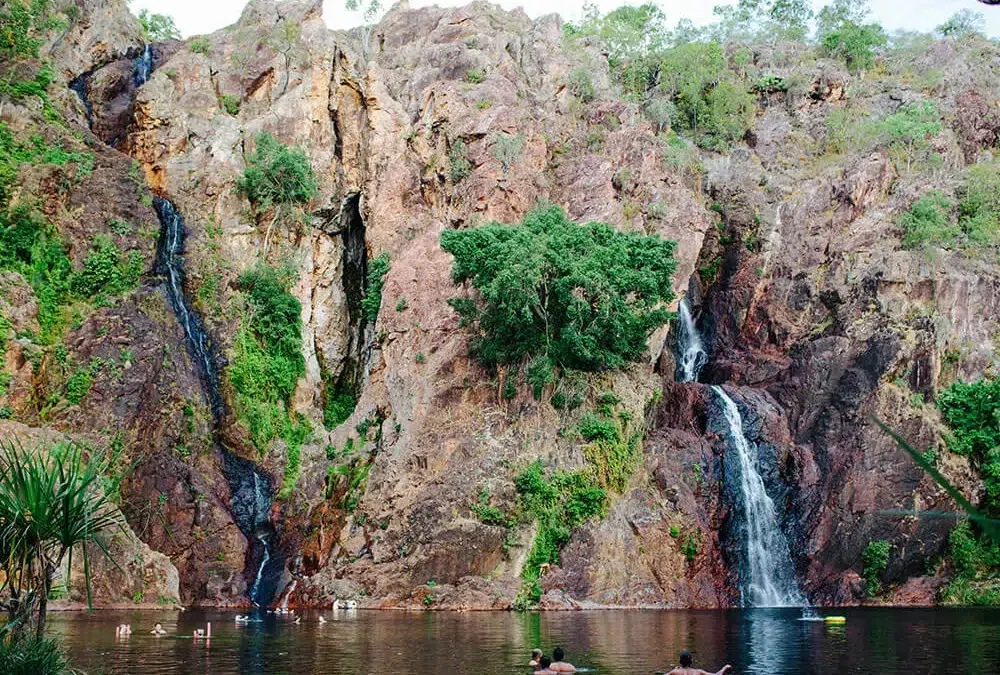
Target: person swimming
{"points": [[536, 657], [158, 629], [543, 665], [558, 664], [687, 669]]}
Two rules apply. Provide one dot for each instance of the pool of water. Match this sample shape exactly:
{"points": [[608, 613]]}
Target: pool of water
{"points": [[775, 642]]}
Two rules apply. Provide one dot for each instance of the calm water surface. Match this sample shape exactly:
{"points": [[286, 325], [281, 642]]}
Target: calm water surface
{"points": [[884, 641]]}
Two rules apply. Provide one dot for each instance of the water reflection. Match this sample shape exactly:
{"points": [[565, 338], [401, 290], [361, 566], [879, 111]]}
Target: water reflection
{"points": [[771, 641]]}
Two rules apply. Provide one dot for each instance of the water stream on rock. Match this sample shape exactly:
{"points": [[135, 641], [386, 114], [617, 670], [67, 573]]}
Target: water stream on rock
{"points": [[691, 352], [770, 578], [143, 66], [251, 492]]}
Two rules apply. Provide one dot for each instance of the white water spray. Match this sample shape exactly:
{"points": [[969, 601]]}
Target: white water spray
{"points": [[143, 66], [692, 352], [288, 594], [260, 570], [771, 581]]}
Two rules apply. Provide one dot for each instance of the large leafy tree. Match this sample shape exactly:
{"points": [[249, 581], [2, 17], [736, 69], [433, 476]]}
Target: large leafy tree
{"points": [[52, 502], [568, 295], [158, 27], [844, 33], [711, 104]]}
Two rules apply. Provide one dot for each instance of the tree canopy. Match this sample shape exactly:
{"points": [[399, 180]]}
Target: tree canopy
{"points": [[576, 296], [157, 27]]}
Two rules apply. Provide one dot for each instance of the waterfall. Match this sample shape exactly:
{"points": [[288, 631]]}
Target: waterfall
{"points": [[288, 594], [255, 589], [251, 493], [170, 261], [690, 350], [143, 66], [770, 580]]}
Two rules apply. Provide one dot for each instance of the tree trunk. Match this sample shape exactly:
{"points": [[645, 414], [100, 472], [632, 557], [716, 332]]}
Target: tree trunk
{"points": [[43, 601]]}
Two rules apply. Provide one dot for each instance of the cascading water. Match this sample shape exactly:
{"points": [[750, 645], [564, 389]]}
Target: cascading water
{"points": [[691, 354], [251, 493], [143, 66], [770, 576], [170, 261]]}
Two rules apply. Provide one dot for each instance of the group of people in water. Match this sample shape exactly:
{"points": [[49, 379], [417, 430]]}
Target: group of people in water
{"points": [[540, 663]]}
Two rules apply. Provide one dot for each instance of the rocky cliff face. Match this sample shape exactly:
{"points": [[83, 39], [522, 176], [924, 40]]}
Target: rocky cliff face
{"points": [[814, 314]]}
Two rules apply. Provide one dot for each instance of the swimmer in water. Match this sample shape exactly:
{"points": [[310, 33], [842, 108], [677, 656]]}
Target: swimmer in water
{"points": [[536, 657], [158, 629], [558, 665], [687, 669]]}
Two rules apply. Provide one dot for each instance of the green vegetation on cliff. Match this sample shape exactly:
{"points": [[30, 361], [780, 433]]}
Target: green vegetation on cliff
{"points": [[32, 247], [276, 175], [974, 225], [972, 410], [267, 363], [874, 560], [558, 503], [22, 28], [277, 179], [558, 294]]}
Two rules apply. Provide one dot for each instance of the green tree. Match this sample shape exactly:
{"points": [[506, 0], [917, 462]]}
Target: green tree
{"points": [[972, 410], [979, 209], [844, 34], [928, 221], [582, 297], [909, 131], [962, 23], [633, 38], [278, 178], [874, 560], [52, 501], [837, 13], [157, 27], [764, 20], [711, 104], [267, 361], [286, 39]]}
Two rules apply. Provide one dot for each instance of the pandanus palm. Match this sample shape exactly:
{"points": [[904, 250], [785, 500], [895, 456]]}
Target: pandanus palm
{"points": [[52, 501]]}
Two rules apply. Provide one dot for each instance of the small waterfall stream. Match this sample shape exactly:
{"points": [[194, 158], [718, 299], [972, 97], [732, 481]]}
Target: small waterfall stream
{"points": [[692, 356], [251, 493], [143, 66], [768, 577], [770, 574]]}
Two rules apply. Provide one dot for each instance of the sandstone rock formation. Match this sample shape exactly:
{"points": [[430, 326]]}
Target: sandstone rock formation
{"points": [[815, 315]]}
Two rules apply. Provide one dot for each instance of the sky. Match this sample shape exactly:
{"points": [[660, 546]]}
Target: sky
{"points": [[195, 17]]}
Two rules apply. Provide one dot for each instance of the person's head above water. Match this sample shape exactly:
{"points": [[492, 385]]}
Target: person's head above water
{"points": [[536, 654], [157, 625], [686, 659], [558, 654], [545, 662]]}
